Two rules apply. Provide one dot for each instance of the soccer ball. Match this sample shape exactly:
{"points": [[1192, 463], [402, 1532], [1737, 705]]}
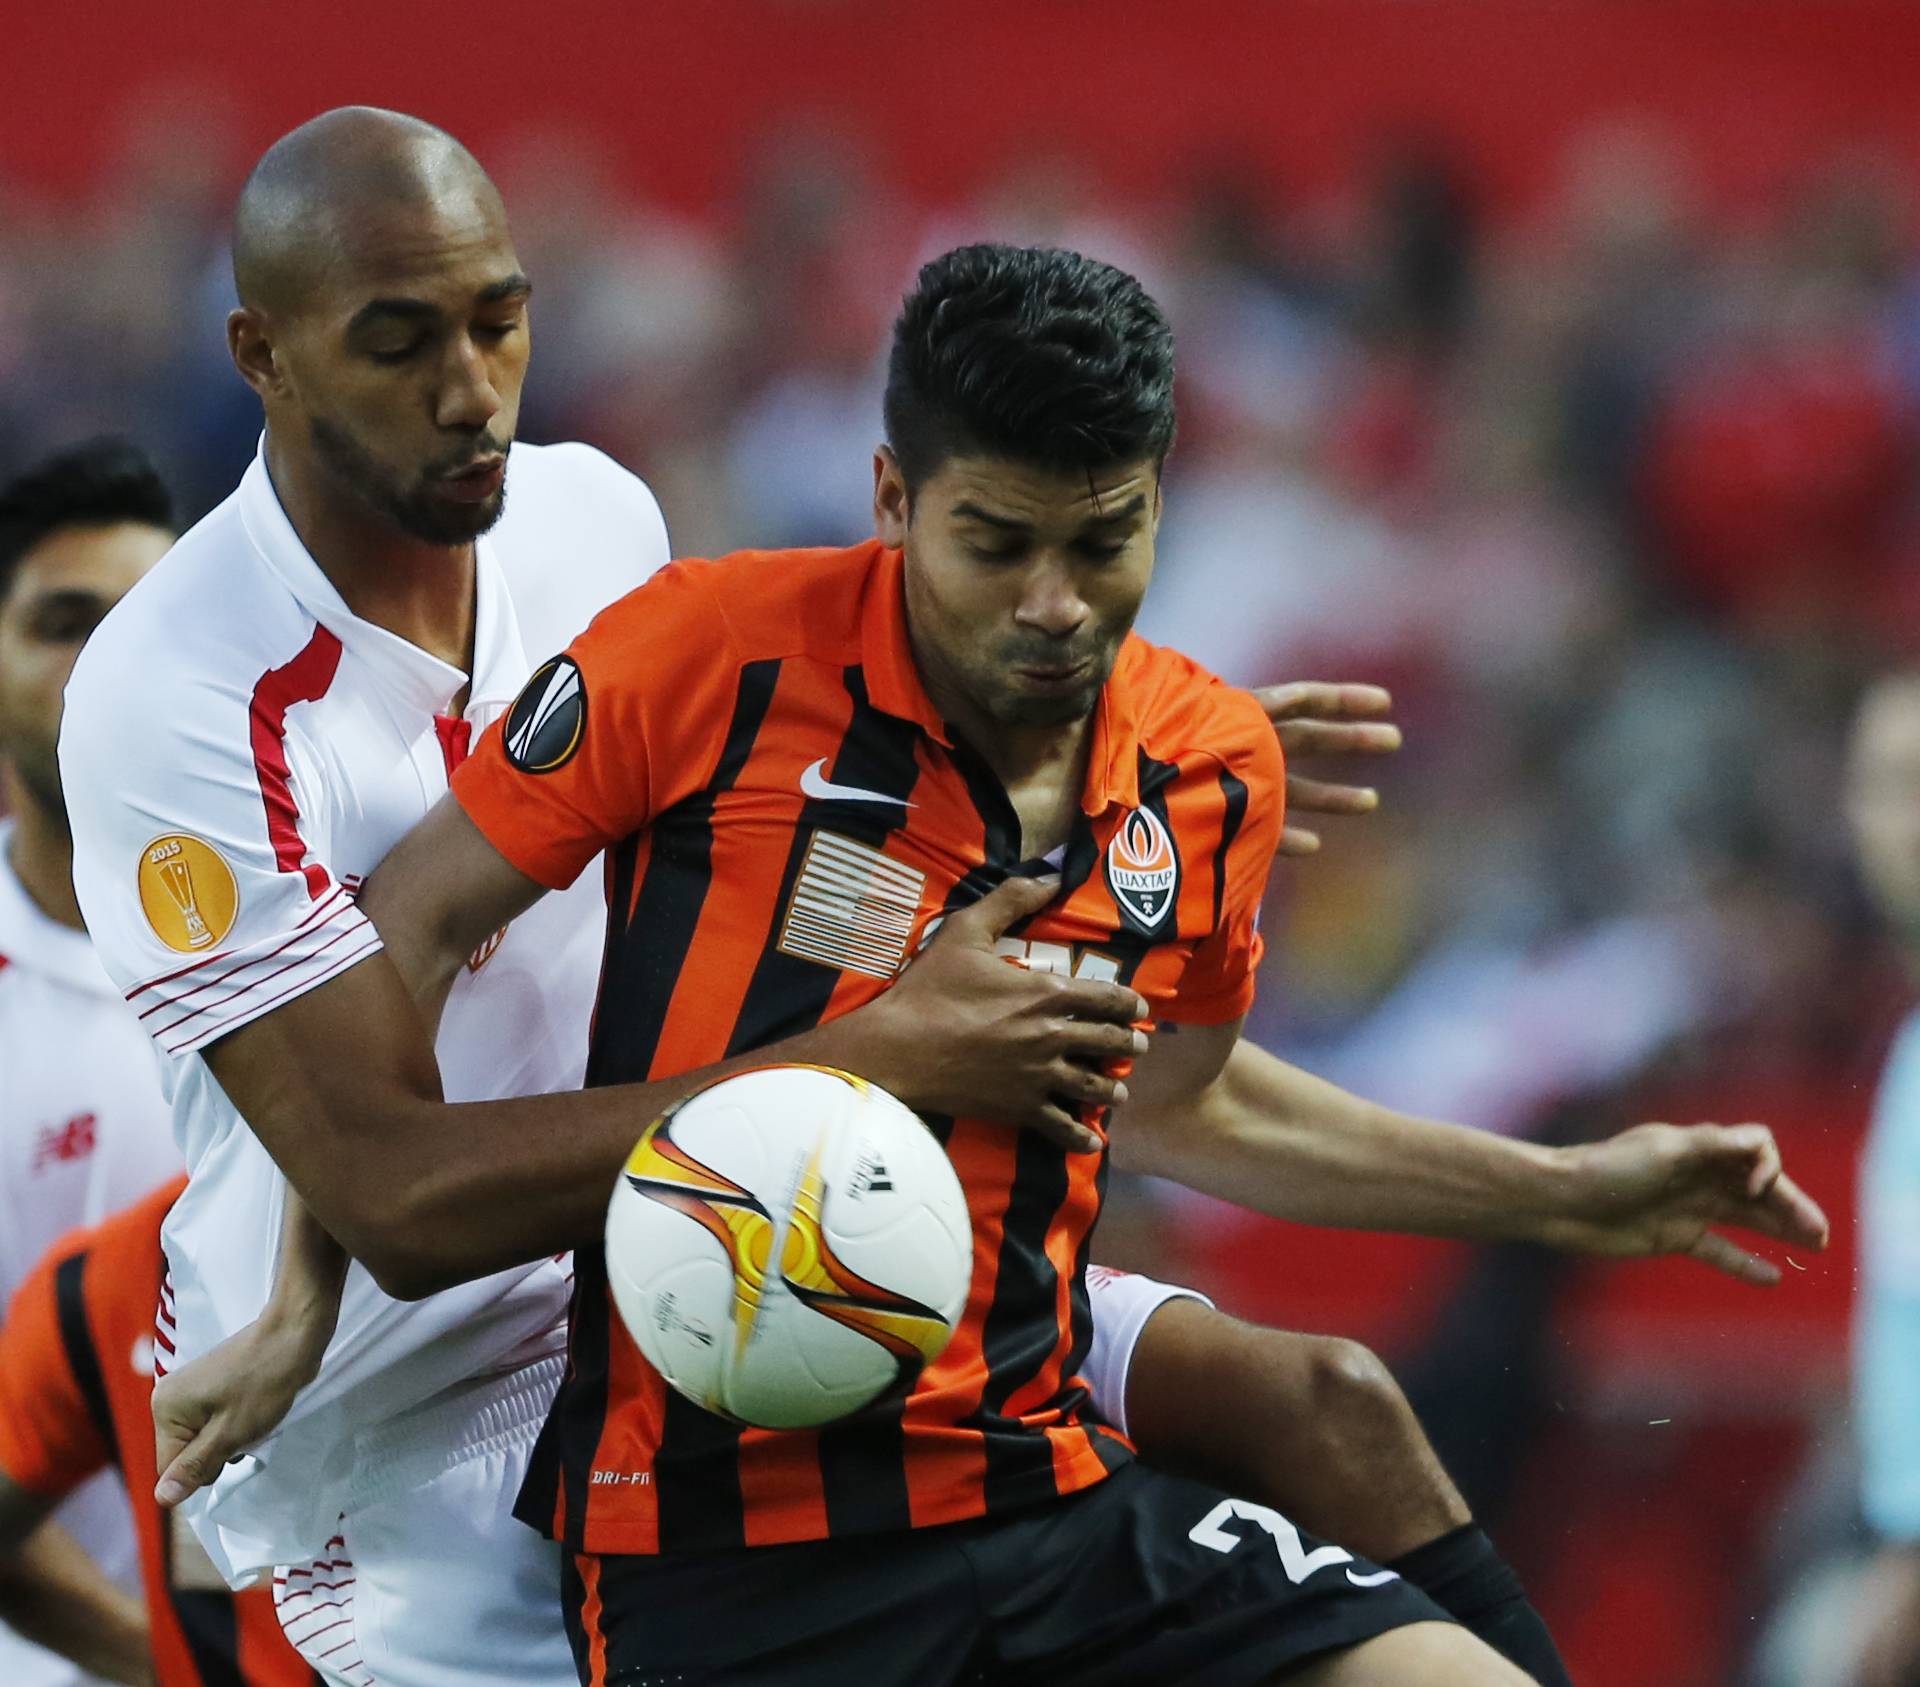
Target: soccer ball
{"points": [[839, 1183]]}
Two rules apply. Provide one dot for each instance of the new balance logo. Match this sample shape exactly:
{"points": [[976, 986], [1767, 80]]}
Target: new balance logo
{"points": [[815, 784], [72, 1141]]}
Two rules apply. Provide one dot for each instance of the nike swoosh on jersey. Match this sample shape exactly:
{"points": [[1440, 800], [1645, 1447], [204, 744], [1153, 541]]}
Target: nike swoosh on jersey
{"points": [[815, 784], [1379, 1578]]}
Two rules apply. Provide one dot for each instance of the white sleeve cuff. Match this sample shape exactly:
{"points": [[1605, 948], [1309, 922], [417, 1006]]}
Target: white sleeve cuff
{"points": [[188, 1008]]}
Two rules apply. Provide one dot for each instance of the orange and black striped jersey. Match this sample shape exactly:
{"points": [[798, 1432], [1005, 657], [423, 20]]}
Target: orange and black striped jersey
{"points": [[785, 816], [76, 1386]]}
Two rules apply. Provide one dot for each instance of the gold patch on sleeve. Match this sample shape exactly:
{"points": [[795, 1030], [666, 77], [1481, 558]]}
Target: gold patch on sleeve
{"points": [[188, 892]]}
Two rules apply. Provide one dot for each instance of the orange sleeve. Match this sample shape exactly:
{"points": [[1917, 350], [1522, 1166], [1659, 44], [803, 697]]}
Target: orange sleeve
{"points": [[50, 1437], [1218, 983], [613, 732]]}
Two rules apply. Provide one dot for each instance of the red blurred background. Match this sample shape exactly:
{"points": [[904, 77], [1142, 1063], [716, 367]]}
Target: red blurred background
{"points": [[1558, 363]]}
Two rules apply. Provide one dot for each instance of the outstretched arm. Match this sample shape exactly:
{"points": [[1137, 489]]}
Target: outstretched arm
{"points": [[1272, 1137]]}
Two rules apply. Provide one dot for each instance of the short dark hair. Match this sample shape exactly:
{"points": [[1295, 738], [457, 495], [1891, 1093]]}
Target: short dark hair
{"points": [[93, 484], [1042, 356]]}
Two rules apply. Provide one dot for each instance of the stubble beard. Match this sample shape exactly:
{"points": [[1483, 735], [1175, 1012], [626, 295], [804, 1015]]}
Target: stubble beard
{"points": [[36, 772], [355, 469]]}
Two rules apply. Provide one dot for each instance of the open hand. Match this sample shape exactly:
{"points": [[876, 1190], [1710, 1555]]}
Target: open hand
{"points": [[1661, 1189], [967, 1030], [1313, 718]]}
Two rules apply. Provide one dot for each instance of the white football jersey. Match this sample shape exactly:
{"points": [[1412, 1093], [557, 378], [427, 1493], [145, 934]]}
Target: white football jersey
{"points": [[83, 1133], [239, 752]]}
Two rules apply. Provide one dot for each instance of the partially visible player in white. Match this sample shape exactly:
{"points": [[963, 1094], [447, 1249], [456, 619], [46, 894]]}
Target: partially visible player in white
{"points": [[83, 1123], [287, 734]]}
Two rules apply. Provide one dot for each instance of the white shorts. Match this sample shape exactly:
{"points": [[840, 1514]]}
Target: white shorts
{"points": [[432, 1582], [1123, 1301]]}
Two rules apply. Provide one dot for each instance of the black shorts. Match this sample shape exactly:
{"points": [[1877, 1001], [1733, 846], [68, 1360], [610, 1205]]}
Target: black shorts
{"points": [[1142, 1579]]}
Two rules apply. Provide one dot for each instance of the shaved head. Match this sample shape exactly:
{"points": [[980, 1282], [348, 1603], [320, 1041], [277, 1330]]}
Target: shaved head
{"points": [[320, 185], [383, 322]]}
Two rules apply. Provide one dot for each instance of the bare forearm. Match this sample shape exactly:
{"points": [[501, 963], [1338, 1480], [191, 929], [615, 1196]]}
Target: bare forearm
{"points": [[55, 1595], [313, 1266], [451, 1192], [1269, 1136]]}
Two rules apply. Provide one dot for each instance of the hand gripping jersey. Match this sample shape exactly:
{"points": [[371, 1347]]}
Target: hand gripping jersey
{"points": [[83, 1132], [76, 1382], [785, 818], [239, 751]]}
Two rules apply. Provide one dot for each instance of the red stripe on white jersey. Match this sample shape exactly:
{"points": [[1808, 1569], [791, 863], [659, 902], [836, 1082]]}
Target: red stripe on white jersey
{"points": [[303, 680]]}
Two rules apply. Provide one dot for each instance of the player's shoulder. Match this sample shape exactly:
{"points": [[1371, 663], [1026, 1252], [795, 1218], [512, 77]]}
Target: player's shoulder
{"points": [[1184, 709], [577, 484], [771, 604], [122, 1261], [572, 498], [579, 531], [125, 1246]]}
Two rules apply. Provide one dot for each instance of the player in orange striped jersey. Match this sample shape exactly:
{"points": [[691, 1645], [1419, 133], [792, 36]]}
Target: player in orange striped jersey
{"points": [[76, 1374], [798, 765]]}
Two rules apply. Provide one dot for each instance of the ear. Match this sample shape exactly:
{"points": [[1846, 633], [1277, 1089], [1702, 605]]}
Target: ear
{"points": [[1159, 502], [891, 507], [250, 344]]}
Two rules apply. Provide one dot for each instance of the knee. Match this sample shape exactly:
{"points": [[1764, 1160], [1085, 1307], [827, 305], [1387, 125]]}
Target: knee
{"points": [[1348, 1383]]}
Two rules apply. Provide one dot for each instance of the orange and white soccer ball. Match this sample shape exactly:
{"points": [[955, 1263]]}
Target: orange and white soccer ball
{"points": [[788, 1245]]}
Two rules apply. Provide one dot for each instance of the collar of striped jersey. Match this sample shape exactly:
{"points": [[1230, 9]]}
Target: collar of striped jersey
{"points": [[499, 659], [36, 943], [893, 684]]}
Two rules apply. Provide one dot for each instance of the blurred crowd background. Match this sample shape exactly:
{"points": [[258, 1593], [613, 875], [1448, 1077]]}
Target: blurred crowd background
{"points": [[1588, 426]]}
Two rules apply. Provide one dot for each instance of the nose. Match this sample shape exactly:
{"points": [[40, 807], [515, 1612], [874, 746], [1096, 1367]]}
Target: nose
{"points": [[1051, 602], [467, 397]]}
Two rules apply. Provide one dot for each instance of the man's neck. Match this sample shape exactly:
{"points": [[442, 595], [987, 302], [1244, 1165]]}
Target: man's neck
{"points": [[40, 852], [1043, 769], [426, 594]]}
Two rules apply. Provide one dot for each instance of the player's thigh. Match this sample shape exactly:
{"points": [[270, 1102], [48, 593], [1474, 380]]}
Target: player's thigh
{"points": [[1125, 1307], [1151, 1577], [1432, 1654], [877, 1610], [1232, 1401], [1198, 1377]]}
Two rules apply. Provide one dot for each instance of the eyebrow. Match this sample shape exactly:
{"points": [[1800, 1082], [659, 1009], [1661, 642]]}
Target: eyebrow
{"points": [[1105, 518], [515, 286], [66, 597]]}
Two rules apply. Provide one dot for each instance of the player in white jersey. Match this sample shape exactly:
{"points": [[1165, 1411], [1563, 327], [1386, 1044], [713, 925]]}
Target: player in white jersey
{"points": [[266, 766], [83, 1125]]}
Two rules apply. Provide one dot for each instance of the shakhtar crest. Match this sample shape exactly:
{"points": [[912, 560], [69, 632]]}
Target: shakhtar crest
{"points": [[1143, 871]]}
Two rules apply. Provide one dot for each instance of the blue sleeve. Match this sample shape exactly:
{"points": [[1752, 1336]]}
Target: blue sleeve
{"points": [[1887, 1333]]}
